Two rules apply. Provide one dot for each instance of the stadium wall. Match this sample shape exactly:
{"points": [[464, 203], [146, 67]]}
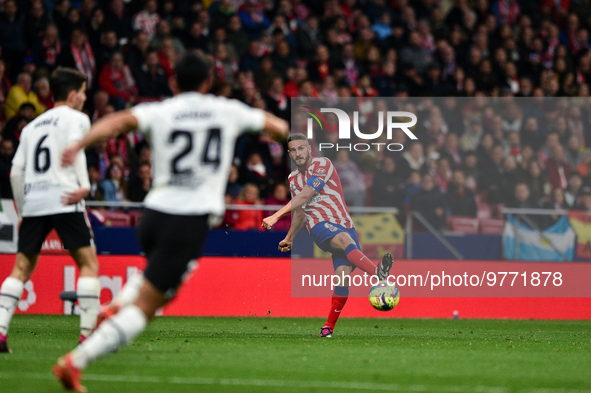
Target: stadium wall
{"points": [[262, 287]]}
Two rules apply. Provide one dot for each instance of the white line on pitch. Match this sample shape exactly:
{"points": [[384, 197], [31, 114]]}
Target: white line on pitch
{"points": [[293, 383]]}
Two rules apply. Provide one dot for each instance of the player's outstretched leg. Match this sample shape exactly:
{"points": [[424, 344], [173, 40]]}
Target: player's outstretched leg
{"points": [[339, 299], [127, 296], [88, 290], [384, 267], [10, 293], [115, 332], [359, 259]]}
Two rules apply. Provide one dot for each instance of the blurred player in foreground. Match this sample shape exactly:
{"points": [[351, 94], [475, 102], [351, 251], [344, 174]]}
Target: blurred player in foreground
{"points": [[49, 196], [317, 200], [192, 137]]}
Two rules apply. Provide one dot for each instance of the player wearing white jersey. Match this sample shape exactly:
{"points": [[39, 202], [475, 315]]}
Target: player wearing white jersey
{"points": [[49, 196], [193, 137]]}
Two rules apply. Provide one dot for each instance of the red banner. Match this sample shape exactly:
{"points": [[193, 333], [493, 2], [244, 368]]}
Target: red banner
{"points": [[262, 287]]}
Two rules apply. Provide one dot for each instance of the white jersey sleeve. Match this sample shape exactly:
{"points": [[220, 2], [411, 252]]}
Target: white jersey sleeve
{"points": [[249, 119], [145, 115], [19, 157]]}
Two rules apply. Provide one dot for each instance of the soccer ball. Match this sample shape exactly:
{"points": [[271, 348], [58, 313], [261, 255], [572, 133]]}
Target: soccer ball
{"points": [[383, 296]]}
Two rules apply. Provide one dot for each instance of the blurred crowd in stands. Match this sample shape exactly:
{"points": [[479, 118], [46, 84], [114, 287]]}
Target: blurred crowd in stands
{"points": [[470, 151]]}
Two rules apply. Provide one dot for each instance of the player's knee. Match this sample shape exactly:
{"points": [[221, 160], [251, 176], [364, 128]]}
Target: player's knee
{"points": [[23, 267]]}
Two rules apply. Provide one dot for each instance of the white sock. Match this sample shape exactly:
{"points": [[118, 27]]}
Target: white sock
{"points": [[130, 290], [110, 335], [88, 290], [10, 294]]}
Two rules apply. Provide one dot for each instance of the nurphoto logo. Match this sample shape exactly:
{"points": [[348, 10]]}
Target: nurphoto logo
{"points": [[392, 122]]}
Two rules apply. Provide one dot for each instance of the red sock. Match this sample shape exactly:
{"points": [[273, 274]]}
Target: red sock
{"points": [[338, 302], [357, 258]]}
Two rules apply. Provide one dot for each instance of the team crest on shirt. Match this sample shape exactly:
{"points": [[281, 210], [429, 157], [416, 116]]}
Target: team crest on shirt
{"points": [[316, 183], [330, 227]]}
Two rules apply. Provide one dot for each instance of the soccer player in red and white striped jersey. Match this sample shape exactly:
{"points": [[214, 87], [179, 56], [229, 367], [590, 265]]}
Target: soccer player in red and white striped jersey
{"points": [[317, 200]]}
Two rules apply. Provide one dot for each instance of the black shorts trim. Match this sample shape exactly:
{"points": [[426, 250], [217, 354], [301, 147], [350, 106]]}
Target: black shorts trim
{"points": [[172, 243], [72, 228]]}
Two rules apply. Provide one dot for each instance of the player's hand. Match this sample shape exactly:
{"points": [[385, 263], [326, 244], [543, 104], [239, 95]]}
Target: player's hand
{"points": [[73, 197], [268, 222], [69, 155], [285, 245]]}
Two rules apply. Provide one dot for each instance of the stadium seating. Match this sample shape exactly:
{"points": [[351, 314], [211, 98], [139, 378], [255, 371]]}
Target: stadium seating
{"points": [[492, 226], [468, 225]]}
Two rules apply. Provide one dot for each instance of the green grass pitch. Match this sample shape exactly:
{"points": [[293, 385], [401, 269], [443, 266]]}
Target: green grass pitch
{"points": [[284, 355]]}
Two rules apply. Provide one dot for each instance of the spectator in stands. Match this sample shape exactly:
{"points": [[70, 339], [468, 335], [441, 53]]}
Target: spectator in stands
{"points": [[352, 179], [36, 22], [96, 191], [96, 25], [279, 197], [139, 188], [13, 128], [195, 39], [389, 186], [571, 194], [413, 159], [135, 57], [574, 152], [253, 18], [44, 93], [491, 176], [585, 199], [115, 185], [537, 181], [80, 56], [47, 50], [109, 44], [5, 86], [118, 18], [443, 174], [236, 35], [555, 202], [512, 174], [12, 35], [162, 34], [521, 197], [147, 19], [255, 171], [460, 199], [249, 219], [233, 188], [151, 80], [116, 79], [470, 168], [558, 169], [471, 138], [168, 56], [226, 67], [276, 101], [21, 93], [451, 148], [429, 202], [7, 149]]}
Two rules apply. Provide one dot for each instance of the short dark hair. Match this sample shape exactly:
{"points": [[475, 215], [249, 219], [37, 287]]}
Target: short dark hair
{"points": [[298, 137], [63, 80], [191, 71]]}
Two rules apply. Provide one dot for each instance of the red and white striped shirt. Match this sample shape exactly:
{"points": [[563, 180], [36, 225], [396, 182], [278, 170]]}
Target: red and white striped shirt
{"points": [[328, 204]]}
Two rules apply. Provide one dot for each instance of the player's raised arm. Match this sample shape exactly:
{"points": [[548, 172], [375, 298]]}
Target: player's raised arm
{"points": [[107, 127], [268, 222], [277, 128]]}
